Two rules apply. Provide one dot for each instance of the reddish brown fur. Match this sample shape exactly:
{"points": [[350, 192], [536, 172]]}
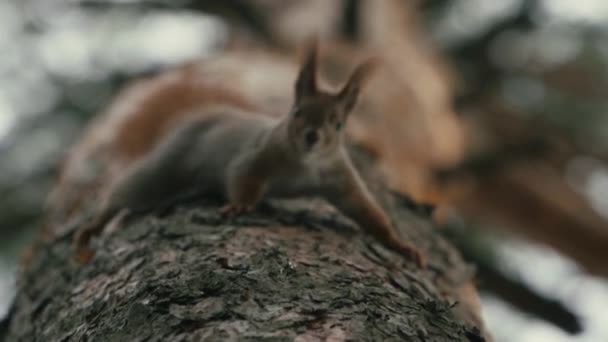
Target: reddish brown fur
{"points": [[166, 105], [129, 128]]}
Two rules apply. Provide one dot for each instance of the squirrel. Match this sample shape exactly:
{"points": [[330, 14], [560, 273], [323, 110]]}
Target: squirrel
{"points": [[223, 149]]}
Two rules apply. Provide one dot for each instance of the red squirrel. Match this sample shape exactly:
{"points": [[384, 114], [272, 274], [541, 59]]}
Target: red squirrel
{"points": [[225, 149]]}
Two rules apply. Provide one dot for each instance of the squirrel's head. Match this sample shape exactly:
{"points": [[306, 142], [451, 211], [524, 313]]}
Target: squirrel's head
{"points": [[318, 117]]}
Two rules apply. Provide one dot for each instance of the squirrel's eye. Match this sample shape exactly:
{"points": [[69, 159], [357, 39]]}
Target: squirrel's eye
{"points": [[296, 112], [311, 138], [338, 126]]}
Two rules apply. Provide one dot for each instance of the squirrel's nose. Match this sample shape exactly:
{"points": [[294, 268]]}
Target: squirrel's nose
{"points": [[311, 138]]}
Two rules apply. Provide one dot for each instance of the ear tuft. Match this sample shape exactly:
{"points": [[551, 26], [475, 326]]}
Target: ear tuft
{"points": [[306, 84], [350, 92]]}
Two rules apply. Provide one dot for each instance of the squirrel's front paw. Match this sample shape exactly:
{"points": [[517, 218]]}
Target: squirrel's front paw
{"points": [[414, 254], [83, 254], [234, 209]]}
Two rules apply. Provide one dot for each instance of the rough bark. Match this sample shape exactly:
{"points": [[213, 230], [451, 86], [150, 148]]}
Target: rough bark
{"points": [[291, 270]]}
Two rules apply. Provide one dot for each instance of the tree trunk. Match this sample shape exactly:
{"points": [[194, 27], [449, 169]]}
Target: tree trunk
{"points": [[291, 270]]}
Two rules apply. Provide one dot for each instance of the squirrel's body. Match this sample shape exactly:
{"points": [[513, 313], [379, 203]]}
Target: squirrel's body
{"points": [[243, 156], [188, 159]]}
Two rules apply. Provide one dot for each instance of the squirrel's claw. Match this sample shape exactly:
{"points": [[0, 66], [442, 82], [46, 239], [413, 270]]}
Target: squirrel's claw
{"points": [[412, 253], [415, 255], [83, 254], [234, 209]]}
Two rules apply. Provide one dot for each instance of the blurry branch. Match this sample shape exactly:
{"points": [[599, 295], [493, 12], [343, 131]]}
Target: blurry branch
{"points": [[492, 278], [241, 12], [579, 79], [473, 55], [532, 199], [526, 299], [534, 148], [434, 5], [517, 183], [517, 138], [350, 24], [481, 77]]}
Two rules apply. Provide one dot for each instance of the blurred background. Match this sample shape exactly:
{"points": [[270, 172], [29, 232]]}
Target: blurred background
{"points": [[512, 94]]}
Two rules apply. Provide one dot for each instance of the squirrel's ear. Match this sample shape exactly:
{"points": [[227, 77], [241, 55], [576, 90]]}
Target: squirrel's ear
{"points": [[306, 84], [347, 98]]}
